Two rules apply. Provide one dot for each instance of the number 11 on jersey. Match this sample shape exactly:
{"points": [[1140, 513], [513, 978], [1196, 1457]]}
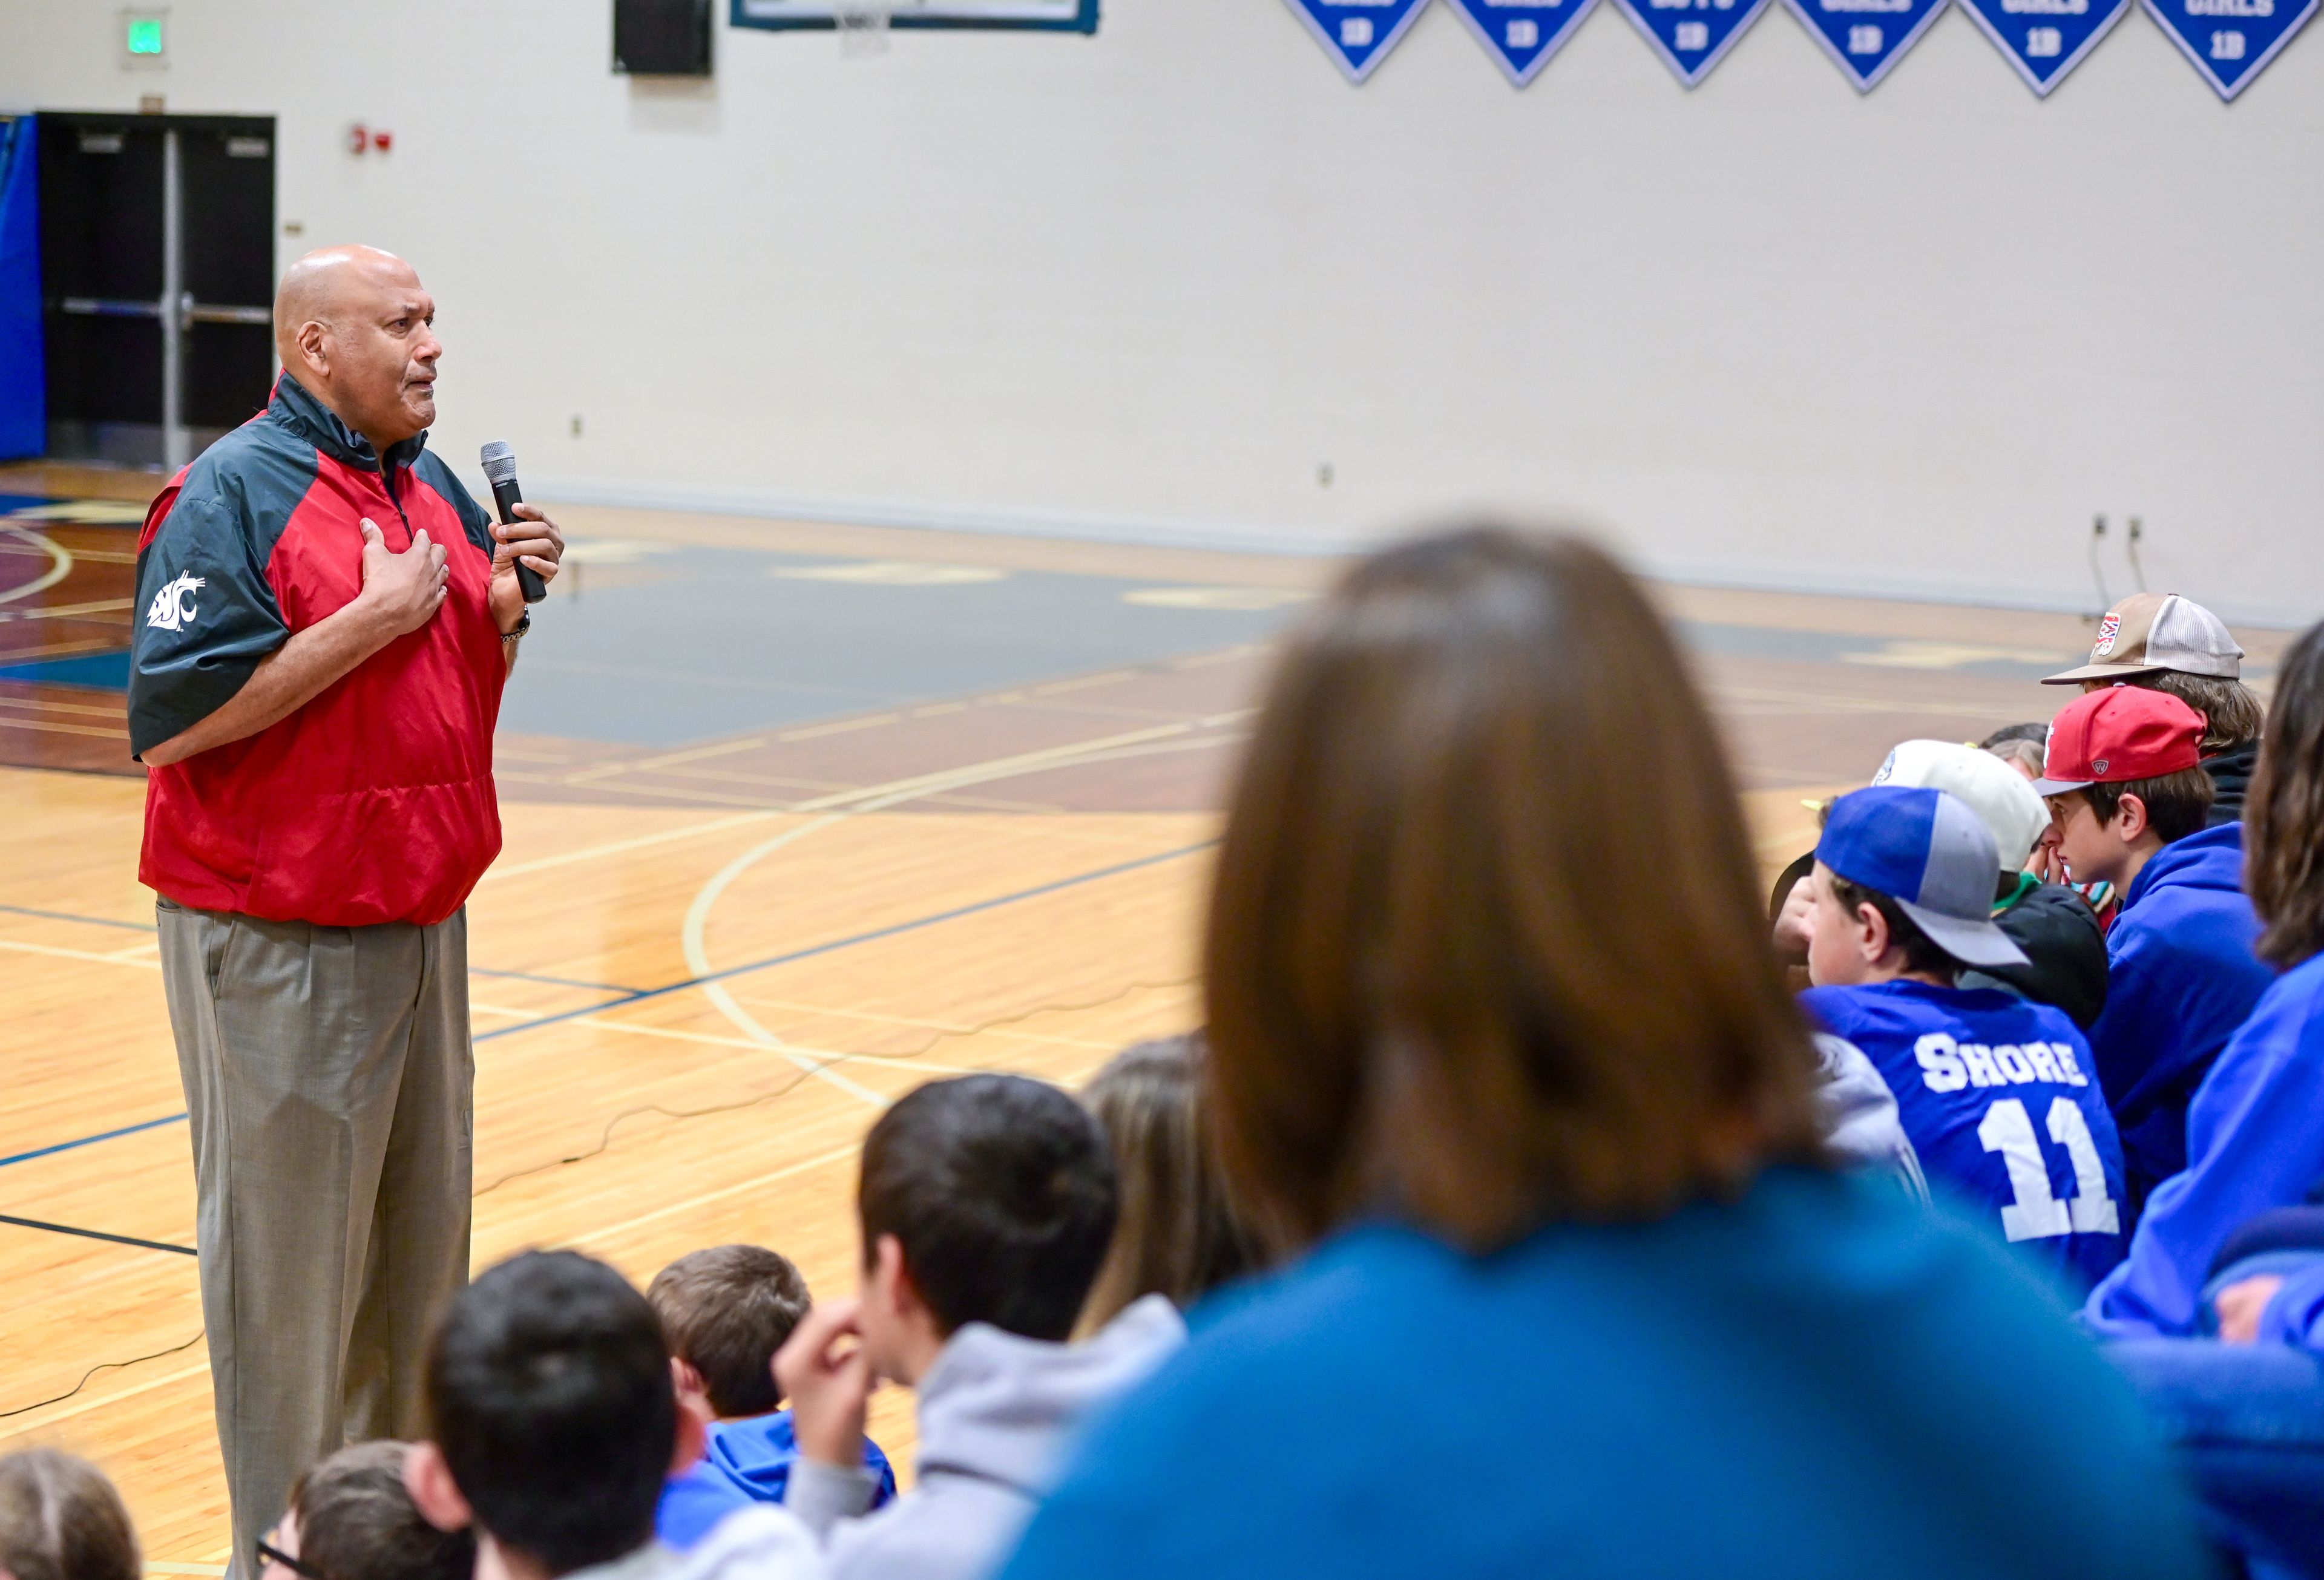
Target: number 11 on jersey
{"points": [[2037, 1214]]}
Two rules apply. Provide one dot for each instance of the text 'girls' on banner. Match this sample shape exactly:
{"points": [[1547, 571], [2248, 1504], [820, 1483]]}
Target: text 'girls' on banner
{"points": [[1692, 36], [1868, 37], [2230, 40], [1359, 33], [2045, 39], [1522, 34]]}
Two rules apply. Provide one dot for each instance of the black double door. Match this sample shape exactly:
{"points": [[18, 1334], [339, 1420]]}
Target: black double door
{"points": [[157, 267]]}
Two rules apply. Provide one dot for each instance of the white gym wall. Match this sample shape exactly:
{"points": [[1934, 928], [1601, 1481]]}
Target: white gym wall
{"points": [[1767, 332]]}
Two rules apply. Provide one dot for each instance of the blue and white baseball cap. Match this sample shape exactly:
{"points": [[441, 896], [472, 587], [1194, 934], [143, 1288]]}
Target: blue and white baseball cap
{"points": [[1926, 851]]}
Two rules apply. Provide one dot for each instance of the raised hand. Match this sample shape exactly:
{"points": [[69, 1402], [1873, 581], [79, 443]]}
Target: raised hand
{"points": [[824, 1372]]}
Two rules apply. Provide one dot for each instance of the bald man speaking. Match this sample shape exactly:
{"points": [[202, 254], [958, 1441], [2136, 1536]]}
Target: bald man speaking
{"points": [[324, 622]]}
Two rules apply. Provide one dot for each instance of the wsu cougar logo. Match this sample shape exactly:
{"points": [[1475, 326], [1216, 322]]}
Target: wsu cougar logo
{"points": [[171, 610]]}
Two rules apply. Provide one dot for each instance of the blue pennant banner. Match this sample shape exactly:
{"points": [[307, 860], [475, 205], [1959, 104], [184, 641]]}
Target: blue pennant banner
{"points": [[2230, 40], [1692, 36], [1868, 37], [1359, 32], [2047, 39], [1523, 34]]}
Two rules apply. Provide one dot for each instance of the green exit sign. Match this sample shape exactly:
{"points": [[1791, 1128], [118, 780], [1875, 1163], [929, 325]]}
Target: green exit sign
{"points": [[144, 38]]}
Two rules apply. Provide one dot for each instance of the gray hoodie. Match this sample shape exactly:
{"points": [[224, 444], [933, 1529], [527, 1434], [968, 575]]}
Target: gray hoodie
{"points": [[755, 1543], [1861, 1122], [996, 1414]]}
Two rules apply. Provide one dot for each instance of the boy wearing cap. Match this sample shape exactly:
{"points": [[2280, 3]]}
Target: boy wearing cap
{"points": [[1904, 901], [2128, 796], [2160, 641], [2052, 925]]}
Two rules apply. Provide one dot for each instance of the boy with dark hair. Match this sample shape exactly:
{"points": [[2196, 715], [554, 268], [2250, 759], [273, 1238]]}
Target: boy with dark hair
{"points": [[1904, 884], [726, 1311], [2160, 641], [2128, 797], [555, 1422], [986, 1205]]}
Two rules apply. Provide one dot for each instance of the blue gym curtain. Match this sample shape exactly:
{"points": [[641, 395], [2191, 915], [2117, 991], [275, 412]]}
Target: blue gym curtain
{"points": [[23, 418]]}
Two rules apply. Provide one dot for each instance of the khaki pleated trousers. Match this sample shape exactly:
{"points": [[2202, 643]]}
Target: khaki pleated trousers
{"points": [[329, 1077]]}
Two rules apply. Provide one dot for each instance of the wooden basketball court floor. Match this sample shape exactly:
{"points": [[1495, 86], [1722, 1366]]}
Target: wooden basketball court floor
{"points": [[702, 965]]}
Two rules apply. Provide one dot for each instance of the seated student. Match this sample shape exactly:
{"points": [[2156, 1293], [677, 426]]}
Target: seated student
{"points": [[2256, 1127], [2244, 1412], [985, 1203], [2054, 926], [726, 1311], [1501, 1061], [351, 1518], [2127, 794], [2019, 745], [555, 1421], [2163, 642], [60, 1520], [1979, 1075], [2245, 1420], [2229, 1247], [1176, 1235]]}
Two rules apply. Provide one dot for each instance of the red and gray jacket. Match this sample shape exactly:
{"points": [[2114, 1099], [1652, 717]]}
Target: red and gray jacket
{"points": [[375, 801]]}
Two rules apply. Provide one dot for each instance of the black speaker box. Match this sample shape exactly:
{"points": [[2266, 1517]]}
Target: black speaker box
{"points": [[662, 38]]}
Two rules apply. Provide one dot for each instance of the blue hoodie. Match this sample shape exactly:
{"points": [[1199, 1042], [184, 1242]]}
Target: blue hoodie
{"points": [[744, 1461], [2256, 1140], [2295, 1313], [2182, 978]]}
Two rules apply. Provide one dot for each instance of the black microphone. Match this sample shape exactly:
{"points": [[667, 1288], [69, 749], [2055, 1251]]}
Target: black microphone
{"points": [[500, 471]]}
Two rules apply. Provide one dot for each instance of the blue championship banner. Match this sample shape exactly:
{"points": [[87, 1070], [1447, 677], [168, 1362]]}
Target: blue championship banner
{"points": [[2230, 40], [1359, 33], [1692, 36], [1868, 37], [1523, 34], [2045, 39]]}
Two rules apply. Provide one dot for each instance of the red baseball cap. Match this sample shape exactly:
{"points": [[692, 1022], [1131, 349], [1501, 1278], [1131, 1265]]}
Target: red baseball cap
{"points": [[2123, 733]]}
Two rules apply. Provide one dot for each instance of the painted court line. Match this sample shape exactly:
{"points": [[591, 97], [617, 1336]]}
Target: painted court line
{"points": [[618, 847], [70, 916], [554, 981], [826, 1056], [40, 1421], [44, 1152], [641, 996], [836, 944], [26, 1222], [54, 951], [837, 1154], [473, 971], [60, 565]]}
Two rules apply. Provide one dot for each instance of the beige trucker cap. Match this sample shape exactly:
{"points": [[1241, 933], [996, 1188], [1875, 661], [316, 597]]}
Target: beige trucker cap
{"points": [[2148, 632]]}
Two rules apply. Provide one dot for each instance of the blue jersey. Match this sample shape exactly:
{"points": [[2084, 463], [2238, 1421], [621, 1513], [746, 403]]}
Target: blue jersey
{"points": [[1997, 1098]]}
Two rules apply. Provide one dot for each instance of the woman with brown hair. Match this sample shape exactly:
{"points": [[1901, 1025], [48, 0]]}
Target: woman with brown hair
{"points": [[2256, 1127], [1502, 1063], [1175, 1233]]}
